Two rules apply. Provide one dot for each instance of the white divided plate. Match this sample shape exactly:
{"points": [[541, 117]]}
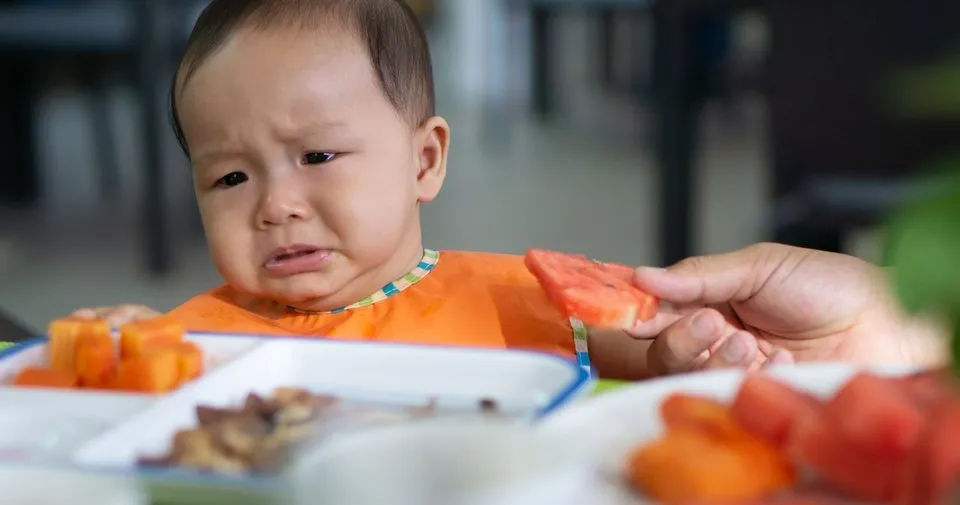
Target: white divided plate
{"points": [[39, 425], [443, 461], [602, 431], [517, 381], [38, 485], [217, 350], [46, 424]]}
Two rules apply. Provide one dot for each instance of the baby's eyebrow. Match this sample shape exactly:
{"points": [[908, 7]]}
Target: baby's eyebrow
{"points": [[209, 156], [314, 127]]}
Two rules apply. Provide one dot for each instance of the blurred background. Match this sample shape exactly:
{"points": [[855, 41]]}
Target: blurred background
{"points": [[640, 131]]}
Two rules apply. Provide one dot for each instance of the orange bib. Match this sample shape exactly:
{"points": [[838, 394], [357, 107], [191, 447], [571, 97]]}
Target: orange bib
{"points": [[462, 299]]}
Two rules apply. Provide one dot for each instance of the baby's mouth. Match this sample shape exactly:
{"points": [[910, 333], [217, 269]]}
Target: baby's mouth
{"points": [[287, 254]]}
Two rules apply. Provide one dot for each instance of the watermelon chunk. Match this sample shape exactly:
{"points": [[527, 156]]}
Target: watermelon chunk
{"points": [[877, 416], [769, 408], [601, 295], [932, 475], [817, 443], [927, 388]]}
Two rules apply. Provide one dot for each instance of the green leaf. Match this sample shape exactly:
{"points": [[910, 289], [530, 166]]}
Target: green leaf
{"points": [[928, 92], [923, 246]]}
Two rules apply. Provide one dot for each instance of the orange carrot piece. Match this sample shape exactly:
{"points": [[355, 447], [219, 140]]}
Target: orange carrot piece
{"points": [[138, 336], [156, 371], [64, 335], [96, 363], [100, 338], [691, 466], [682, 410], [46, 378], [189, 359]]}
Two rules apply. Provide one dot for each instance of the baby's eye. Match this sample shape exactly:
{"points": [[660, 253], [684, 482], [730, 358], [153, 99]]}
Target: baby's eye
{"points": [[232, 179], [317, 158]]}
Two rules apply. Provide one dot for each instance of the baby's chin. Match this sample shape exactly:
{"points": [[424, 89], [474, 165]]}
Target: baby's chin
{"points": [[311, 292]]}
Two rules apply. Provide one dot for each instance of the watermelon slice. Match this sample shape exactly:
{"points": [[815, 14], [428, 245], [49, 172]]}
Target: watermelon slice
{"points": [[601, 295], [933, 474], [875, 415], [769, 408], [817, 444]]}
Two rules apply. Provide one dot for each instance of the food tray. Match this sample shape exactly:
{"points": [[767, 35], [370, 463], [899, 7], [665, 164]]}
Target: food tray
{"points": [[217, 349], [40, 425], [527, 385]]}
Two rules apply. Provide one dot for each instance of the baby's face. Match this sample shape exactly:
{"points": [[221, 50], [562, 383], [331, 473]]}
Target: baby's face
{"points": [[308, 179]]}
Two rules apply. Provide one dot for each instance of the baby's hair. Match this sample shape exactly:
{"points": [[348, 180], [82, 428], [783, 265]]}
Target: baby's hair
{"points": [[395, 42]]}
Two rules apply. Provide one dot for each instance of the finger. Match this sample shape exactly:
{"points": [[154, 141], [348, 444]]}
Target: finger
{"points": [[119, 316], [666, 316], [678, 348], [779, 357], [85, 313], [766, 348], [719, 278], [739, 350]]}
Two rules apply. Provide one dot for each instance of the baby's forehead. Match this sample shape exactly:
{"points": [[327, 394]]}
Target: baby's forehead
{"points": [[285, 63], [291, 85]]}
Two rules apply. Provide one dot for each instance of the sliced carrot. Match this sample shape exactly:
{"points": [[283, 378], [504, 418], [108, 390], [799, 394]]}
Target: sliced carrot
{"points": [[189, 359], [690, 466], [46, 378], [137, 336], [156, 371], [681, 410], [96, 363], [64, 335], [97, 337]]}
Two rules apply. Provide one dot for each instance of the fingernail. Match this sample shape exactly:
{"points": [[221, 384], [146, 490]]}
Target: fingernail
{"points": [[703, 326], [735, 350]]}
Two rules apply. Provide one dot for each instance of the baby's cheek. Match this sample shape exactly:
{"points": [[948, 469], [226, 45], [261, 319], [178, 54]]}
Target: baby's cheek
{"points": [[372, 223], [231, 254]]}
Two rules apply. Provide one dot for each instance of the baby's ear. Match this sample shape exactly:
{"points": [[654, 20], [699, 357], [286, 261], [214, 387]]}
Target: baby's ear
{"points": [[432, 142]]}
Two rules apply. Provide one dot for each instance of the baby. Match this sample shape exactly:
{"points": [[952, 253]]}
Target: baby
{"points": [[311, 129]]}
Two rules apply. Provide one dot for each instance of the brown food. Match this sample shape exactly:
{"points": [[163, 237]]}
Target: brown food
{"points": [[489, 405], [262, 434]]}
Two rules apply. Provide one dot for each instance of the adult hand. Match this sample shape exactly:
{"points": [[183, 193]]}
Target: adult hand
{"points": [[776, 303]]}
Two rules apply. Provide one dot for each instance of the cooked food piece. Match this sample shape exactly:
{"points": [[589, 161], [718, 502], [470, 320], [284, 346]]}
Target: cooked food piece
{"points": [[264, 433]]}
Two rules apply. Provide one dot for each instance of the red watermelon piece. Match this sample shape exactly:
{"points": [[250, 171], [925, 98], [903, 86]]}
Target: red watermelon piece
{"points": [[927, 388], [876, 415], [817, 444], [932, 474], [769, 408], [601, 295]]}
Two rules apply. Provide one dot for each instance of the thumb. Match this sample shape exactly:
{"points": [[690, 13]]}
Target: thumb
{"points": [[719, 278]]}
